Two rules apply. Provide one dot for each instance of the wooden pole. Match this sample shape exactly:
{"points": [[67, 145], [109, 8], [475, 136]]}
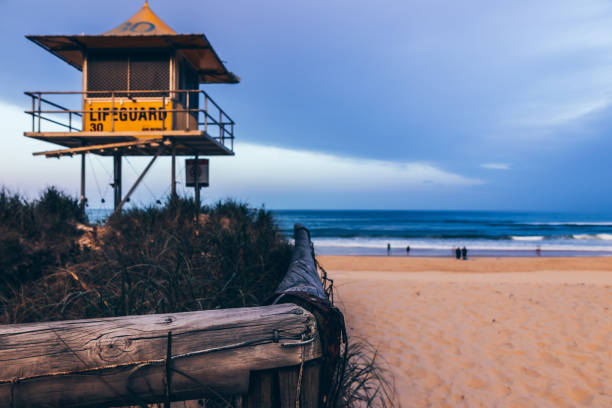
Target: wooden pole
{"points": [[173, 191], [262, 390], [290, 382], [197, 185], [302, 275], [123, 360], [302, 284], [117, 179], [83, 185]]}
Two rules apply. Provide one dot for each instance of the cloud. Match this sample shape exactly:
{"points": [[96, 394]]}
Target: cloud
{"points": [[271, 167], [496, 166], [257, 172], [559, 69], [22, 172], [551, 113]]}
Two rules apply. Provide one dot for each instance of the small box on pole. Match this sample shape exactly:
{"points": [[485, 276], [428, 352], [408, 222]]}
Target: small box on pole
{"points": [[196, 170]]}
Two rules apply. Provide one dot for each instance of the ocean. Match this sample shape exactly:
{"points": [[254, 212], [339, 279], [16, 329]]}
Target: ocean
{"points": [[436, 233]]}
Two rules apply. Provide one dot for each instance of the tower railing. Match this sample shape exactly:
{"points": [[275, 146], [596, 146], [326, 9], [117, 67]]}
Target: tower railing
{"points": [[201, 112]]}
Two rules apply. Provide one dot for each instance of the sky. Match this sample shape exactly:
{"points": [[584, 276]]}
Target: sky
{"points": [[351, 104]]}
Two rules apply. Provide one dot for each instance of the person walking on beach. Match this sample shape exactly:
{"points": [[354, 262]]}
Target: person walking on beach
{"points": [[388, 248], [458, 253], [464, 253], [408, 250]]}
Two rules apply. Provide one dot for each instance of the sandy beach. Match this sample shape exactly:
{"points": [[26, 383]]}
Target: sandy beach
{"points": [[487, 332]]}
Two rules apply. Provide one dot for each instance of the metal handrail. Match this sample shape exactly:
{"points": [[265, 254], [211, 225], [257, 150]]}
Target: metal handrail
{"points": [[49, 102], [223, 121], [122, 91]]}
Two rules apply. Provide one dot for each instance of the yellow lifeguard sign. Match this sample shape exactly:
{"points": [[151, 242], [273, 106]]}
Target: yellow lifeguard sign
{"points": [[126, 115], [140, 96]]}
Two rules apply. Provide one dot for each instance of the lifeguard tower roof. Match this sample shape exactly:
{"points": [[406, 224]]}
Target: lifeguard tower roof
{"points": [[143, 30]]}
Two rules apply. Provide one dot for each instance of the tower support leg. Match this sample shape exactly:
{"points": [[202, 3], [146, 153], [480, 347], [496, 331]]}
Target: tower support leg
{"points": [[197, 186], [173, 193], [117, 179], [83, 199], [138, 180]]}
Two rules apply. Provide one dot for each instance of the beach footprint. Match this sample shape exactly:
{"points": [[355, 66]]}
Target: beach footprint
{"points": [[477, 383], [551, 360], [530, 372], [581, 396]]}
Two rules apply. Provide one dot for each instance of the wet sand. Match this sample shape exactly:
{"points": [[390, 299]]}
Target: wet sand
{"points": [[487, 332]]}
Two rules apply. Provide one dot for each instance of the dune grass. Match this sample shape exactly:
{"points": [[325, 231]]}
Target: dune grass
{"points": [[151, 260], [36, 238]]}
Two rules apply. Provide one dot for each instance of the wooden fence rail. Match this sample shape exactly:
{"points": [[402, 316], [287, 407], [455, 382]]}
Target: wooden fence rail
{"points": [[271, 356]]}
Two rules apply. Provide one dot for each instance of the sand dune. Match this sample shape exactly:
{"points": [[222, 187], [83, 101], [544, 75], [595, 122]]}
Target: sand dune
{"points": [[536, 333]]}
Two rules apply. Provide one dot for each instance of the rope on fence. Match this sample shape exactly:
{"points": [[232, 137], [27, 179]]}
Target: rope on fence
{"points": [[299, 381]]}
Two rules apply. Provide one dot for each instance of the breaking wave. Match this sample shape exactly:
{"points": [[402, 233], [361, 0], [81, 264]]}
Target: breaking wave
{"points": [[527, 238], [603, 237]]}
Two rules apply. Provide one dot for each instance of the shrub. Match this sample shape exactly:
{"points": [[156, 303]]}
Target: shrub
{"points": [[159, 260], [35, 237]]}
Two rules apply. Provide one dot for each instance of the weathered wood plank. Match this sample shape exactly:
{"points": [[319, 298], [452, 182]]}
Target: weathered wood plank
{"points": [[287, 385], [311, 381], [121, 360], [288, 378], [262, 390]]}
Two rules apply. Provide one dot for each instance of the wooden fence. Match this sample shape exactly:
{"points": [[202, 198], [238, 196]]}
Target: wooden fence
{"points": [[286, 354]]}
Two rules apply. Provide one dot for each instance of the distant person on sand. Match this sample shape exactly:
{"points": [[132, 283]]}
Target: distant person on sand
{"points": [[458, 253], [388, 249], [408, 250], [538, 251], [464, 253]]}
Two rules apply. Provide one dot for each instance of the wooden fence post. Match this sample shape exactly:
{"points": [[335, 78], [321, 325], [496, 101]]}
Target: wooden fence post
{"points": [[308, 386], [263, 390]]}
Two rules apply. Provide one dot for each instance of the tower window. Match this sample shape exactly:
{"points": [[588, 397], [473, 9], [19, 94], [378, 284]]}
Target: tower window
{"points": [[128, 72]]}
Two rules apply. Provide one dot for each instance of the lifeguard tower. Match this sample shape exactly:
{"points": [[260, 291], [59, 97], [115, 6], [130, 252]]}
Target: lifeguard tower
{"points": [[140, 97]]}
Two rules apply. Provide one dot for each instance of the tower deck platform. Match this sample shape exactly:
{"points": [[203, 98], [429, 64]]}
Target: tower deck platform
{"points": [[185, 143]]}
